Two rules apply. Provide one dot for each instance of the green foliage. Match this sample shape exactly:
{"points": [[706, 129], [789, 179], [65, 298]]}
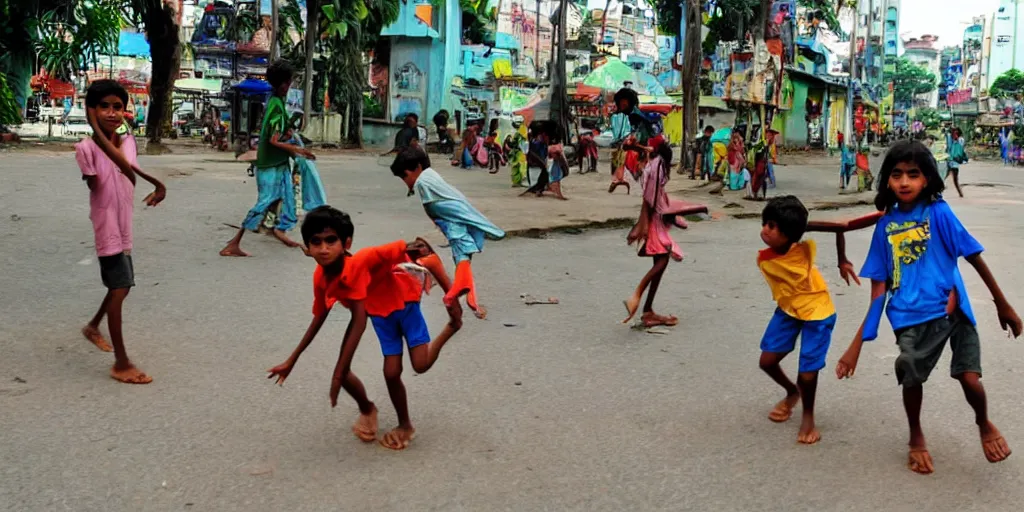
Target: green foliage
{"points": [[478, 21], [372, 107], [730, 21], [10, 113], [827, 11], [670, 16], [930, 117], [74, 34], [1008, 85], [911, 80]]}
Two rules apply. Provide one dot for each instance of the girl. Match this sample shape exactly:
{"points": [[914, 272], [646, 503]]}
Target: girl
{"points": [[550, 175], [537, 160], [957, 156], [516, 147], [650, 234], [912, 264], [739, 176], [495, 157]]}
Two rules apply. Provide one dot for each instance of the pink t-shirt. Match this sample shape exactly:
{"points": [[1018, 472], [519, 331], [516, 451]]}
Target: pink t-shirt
{"points": [[112, 200]]}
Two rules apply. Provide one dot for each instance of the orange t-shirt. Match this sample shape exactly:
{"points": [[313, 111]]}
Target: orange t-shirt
{"points": [[370, 276]]}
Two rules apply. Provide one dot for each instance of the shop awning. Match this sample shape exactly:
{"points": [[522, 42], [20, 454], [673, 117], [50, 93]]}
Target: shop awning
{"points": [[132, 44], [198, 84]]}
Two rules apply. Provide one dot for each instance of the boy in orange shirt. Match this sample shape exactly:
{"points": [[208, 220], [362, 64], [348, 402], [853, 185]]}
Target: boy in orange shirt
{"points": [[369, 285], [805, 306]]}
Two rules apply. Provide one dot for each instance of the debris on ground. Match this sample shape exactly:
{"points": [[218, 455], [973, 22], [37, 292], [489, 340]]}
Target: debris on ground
{"points": [[530, 300]]}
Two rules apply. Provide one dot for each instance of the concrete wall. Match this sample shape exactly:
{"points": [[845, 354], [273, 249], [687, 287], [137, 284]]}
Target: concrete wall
{"points": [[410, 81], [794, 132]]}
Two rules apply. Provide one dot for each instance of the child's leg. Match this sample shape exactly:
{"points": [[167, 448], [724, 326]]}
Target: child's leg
{"points": [[556, 187], [633, 302], [815, 338], [123, 369], [966, 368], [649, 317], [920, 348], [234, 246], [91, 331], [956, 180], [400, 436], [778, 341]]}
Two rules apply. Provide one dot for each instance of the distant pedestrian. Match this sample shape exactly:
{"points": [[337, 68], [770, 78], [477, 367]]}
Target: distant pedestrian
{"points": [[912, 264], [109, 165], [957, 156]]}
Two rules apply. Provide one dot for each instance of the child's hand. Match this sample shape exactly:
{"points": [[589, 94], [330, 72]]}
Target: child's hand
{"points": [[307, 154], [280, 371], [847, 272], [420, 248], [155, 197], [846, 366], [1008, 318]]}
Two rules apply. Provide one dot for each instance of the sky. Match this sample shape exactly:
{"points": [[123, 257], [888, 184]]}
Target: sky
{"points": [[944, 18]]}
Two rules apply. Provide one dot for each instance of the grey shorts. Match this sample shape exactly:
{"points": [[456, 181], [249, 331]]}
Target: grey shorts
{"points": [[117, 271], [921, 346]]}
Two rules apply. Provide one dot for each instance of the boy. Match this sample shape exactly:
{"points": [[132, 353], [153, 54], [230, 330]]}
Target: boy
{"points": [[703, 160], [369, 285], [462, 224], [805, 306], [273, 174], [109, 166]]}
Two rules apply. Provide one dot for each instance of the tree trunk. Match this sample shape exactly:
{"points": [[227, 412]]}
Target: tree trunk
{"points": [[358, 118], [275, 27], [761, 19], [165, 51], [312, 11], [559, 92], [690, 76]]}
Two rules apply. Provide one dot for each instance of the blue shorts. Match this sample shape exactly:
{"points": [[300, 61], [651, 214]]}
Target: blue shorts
{"points": [[816, 336], [407, 322]]}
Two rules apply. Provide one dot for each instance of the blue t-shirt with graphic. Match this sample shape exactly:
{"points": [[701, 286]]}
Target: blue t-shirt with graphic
{"points": [[916, 253]]}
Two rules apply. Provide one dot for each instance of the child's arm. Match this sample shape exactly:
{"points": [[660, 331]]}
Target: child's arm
{"points": [[354, 333], [282, 370], [107, 147], [277, 142], [847, 364], [155, 197], [1008, 318], [846, 225]]}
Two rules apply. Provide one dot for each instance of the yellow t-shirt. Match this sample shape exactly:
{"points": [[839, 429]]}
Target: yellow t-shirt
{"points": [[797, 284]]}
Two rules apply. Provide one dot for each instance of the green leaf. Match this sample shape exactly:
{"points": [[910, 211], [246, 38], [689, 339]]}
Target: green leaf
{"points": [[361, 10]]}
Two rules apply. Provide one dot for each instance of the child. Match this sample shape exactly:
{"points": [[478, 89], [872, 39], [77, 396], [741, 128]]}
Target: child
{"points": [[805, 306], [109, 165], [551, 175], [957, 156], [704, 159], [368, 284], [537, 171], [273, 173], [650, 234], [495, 157], [462, 224], [739, 176], [912, 264], [516, 147]]}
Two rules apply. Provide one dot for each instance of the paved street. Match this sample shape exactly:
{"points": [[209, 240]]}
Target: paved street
{"points": [[550, 407]]}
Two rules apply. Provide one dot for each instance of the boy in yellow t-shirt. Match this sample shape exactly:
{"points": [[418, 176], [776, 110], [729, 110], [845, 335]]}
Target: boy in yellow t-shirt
{"points": [[805, 306]]}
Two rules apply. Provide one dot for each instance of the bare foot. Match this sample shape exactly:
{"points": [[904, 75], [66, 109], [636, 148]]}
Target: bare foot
{"points": [[480, 312], [365, 428], [784, 409], [283, 237], [632, 304], [808, 432], [993, 444], [234, 250], [920, 461], [129, 375], [96, 338], [399, 438]]}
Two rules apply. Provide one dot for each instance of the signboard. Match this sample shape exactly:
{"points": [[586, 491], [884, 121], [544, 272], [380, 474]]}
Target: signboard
{"points": [[958, 97]]}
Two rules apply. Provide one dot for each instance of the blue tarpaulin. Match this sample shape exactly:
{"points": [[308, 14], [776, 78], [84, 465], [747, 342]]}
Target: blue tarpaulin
{"points": [[253, 86], [132, 44]]}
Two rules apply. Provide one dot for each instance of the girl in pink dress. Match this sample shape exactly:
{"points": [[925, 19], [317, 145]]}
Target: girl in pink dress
{"points": [[651, 231]]}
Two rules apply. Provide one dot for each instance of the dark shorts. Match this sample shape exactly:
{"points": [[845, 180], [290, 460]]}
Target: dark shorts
{"points": [[405, 323], [117, 271], [921, 346]]}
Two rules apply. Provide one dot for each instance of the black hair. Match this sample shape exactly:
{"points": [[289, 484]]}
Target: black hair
{"points": [[665, 152], [789, 214], [908, 151], [324, 217], [280, 72], [101, 89], [407, 160], [709, 128], [412, 115], [629, 95], [424, 158]]}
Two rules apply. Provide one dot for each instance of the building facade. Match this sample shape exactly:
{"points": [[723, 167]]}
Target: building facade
{"points": [[924, 52]]}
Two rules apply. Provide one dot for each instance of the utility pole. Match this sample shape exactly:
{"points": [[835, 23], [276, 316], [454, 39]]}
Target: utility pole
{"points": [[274, 52], [848, 127], [312, 11], [559, 92], [869, 55], [536, 49]]}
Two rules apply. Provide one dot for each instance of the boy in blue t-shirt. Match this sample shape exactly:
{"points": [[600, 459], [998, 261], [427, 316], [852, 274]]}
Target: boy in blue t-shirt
{"points": [[912, 263]]}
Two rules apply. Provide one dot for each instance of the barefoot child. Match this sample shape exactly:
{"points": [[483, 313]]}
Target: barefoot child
{"points": [[367, 285], [805, 306], [273, 172], [650, 234], [109, 166], [912, 264], [462, 224]]}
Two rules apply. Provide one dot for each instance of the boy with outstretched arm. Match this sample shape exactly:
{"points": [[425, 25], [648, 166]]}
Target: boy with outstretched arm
{"points": [[369, 284], [109, 165], [805, 307]]}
